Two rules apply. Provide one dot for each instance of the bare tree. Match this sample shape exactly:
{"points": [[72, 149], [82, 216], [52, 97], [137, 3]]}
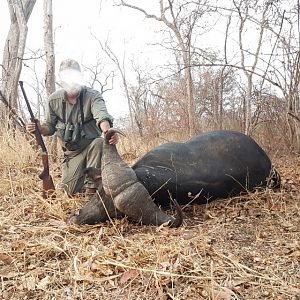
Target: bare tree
{"points": [[285, 68], [49, 48], [223, 75], [20, 11], [138, 101], [98, 76], [121, 68], [182, 26], [50, 63], [243, 8], [290, 87]]}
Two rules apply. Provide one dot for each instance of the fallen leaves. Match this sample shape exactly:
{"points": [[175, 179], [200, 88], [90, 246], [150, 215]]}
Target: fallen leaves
{"points": [[220, 293], [130, 274], [6, 259], [245, 247]]}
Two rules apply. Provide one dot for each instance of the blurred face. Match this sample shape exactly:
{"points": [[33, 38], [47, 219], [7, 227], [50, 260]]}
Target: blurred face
{"points": [[71, 81]]}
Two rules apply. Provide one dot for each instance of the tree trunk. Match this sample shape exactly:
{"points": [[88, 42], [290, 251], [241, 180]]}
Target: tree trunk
{"points": [[189, 93], [248, 114], [220, 96], [49, 47], [13, 53], [244, 15], [184, 41], [50, 63]]}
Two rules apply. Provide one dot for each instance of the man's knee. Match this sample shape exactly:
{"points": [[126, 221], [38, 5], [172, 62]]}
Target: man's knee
{"points": [[94, 153], [97, 144]]}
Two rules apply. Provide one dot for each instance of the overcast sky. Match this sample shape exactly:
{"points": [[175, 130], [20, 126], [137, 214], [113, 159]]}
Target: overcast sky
{"points": [[74, 21], [128, 31]]}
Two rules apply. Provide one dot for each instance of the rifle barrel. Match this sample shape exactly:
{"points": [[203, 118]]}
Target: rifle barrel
{"points": [[48, 185], [37, 132]]}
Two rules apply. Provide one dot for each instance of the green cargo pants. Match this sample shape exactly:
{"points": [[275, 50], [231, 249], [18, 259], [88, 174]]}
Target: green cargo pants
{"points": [[73, 177]]}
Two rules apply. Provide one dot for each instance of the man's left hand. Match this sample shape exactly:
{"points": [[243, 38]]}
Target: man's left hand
{"points": [[114, 139], [104, 126]]}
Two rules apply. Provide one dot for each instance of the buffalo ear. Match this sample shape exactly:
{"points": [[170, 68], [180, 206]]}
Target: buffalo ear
{"points": [[92, 173]]}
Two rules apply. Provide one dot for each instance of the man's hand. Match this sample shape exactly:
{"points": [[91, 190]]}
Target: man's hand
{"points": [[31, 126], [114, 139], [104, 126], [44, 129]]}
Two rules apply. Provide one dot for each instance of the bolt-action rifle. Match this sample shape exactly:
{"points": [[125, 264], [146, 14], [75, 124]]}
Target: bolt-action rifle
{"points": [[48, 185]]}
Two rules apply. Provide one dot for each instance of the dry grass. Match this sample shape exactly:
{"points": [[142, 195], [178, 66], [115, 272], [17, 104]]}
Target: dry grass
{"points": [[241, 248]]}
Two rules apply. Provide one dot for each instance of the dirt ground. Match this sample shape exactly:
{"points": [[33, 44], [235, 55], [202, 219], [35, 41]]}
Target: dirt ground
{"points": [[245, 247]]}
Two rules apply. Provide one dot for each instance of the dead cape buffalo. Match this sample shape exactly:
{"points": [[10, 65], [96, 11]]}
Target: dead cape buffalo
{"points": [[212, 165]]}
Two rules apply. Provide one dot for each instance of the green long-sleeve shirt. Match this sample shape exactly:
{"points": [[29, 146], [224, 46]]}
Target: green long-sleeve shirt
{"points": [[94, 110]]}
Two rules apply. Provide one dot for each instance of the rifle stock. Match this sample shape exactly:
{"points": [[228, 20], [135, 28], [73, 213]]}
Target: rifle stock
{"points": [[48, 185]]}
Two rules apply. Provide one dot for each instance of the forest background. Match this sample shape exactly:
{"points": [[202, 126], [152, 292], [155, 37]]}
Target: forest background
{"points": [[171, 67], [168, 70]]}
